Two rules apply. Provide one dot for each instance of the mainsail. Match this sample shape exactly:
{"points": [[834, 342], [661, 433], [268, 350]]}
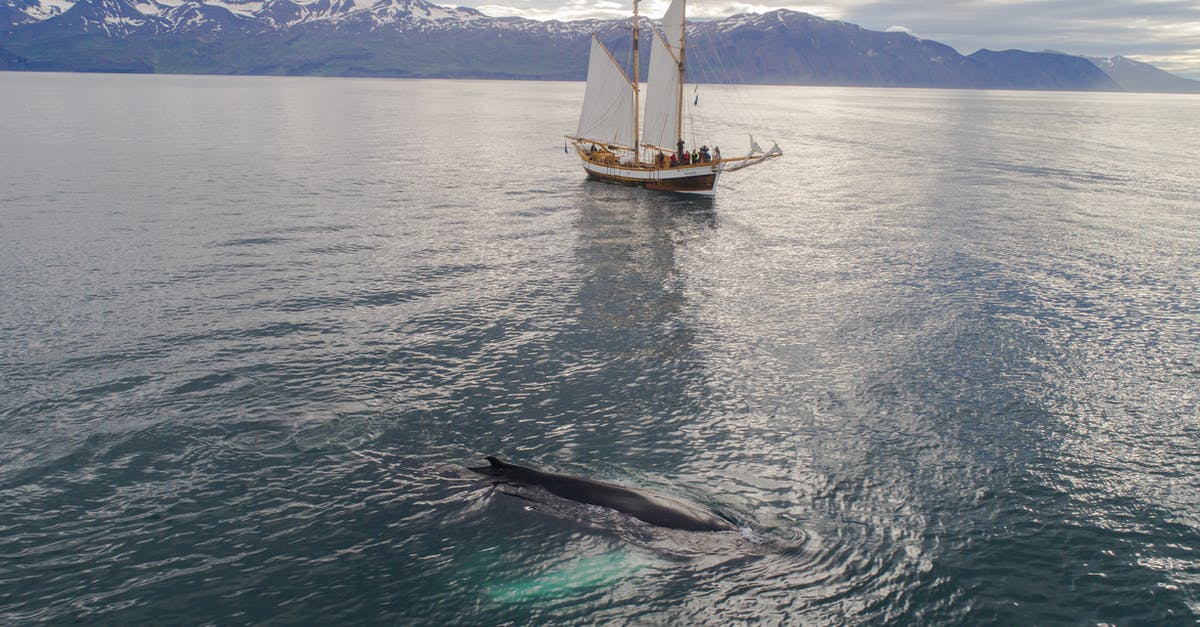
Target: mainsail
{"points": [[609, 106], [661, 124]]}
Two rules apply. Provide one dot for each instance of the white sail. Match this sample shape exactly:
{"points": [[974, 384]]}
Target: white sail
{"points": [[608, 101], [672, 25], [660, 126]]}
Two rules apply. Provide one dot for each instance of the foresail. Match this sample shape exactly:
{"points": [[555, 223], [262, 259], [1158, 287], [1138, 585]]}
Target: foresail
{"points": [[660, 126], [608, 101]]}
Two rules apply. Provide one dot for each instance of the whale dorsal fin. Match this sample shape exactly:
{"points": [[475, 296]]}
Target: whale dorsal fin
{"points": [[497, 463]]}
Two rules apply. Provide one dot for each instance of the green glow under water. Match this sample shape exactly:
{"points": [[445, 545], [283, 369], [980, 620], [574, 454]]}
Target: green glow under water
{"points": [[582, 574]]}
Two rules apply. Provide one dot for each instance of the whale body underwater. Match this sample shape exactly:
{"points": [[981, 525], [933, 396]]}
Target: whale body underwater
{"points": [[648, 507]]}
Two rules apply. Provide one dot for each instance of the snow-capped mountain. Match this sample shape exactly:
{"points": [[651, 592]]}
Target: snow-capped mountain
{"points": [[400, 14], [121, 18], [16, 12], [417, 38]]}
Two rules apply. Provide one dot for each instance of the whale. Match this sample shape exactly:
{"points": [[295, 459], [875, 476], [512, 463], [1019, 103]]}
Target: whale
{"points": [[649, 507]]}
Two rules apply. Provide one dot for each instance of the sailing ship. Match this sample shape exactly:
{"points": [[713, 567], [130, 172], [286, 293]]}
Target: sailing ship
{"points": [[615, 146]]}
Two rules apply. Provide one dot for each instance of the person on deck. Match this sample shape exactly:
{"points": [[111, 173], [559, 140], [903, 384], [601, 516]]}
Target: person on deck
{"points": [[717, 153], [674, 160], [681, 152]]}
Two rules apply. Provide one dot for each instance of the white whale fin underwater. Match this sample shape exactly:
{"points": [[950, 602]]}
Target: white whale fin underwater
{"points": [[576, 577]]}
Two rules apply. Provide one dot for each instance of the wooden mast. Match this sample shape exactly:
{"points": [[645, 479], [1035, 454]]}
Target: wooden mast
{"points": [[637, 153], [682, 54]]}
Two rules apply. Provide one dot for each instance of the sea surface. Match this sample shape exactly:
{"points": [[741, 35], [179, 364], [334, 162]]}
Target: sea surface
{"points": [[940, 363]]}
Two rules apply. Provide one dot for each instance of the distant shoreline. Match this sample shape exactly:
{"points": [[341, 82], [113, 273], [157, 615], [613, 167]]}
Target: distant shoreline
{"points": [[579, 81]]}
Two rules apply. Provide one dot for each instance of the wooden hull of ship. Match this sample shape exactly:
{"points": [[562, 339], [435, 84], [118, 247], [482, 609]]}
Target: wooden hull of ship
{"points": [[700, 179]]}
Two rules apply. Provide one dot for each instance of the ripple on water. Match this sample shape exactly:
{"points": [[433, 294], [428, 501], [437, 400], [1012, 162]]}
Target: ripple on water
{"points": [[926, 395]]}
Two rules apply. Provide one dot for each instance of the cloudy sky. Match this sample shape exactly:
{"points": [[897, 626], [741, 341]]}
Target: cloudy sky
{"points": [[1165, 33]]}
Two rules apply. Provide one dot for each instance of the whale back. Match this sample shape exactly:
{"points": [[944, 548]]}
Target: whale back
{"points": [[646, 506]]}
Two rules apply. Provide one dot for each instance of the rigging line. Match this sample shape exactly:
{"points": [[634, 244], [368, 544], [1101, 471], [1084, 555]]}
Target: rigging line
{"points": [[747, 109], [727, 113], [735, 116], [729, 77], [700, 120], [736, 78], [697, 118], [691, 118], [742, 180], [707, 68]]}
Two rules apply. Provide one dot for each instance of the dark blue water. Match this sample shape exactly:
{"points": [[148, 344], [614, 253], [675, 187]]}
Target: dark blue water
{"points": [[941, 363]]}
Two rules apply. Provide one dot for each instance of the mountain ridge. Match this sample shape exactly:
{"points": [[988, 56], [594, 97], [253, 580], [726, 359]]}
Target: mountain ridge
{"points": [[415, 38]]}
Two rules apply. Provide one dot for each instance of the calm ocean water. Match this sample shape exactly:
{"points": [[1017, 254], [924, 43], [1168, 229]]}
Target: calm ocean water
{"points": [[941, 363]]}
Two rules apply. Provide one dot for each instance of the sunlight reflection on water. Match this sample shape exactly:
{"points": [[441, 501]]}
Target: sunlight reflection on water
{"points": [[939, 362]]}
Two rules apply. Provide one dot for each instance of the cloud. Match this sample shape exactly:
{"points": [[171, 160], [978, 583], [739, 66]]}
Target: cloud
{"points": [[1095, 27], [1165, 30], [1183, 63]]}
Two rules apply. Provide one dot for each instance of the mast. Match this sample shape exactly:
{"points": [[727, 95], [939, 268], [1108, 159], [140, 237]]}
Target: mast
{"points": [[660, 117], [682, 56], [637, 157]]}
